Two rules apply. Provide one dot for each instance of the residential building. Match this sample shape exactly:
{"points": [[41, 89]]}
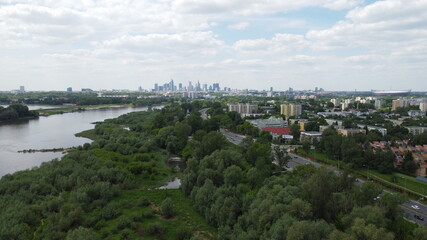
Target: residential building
{"points": [[290, 110], [423, 106], [416, 113], [310, 136], [399, 103], [383, 131], [276, 132], [334, 122], [351, 131], [272, 122], [243, 108], [300, 122], [379, 103], [336, 101], [415, 130]]}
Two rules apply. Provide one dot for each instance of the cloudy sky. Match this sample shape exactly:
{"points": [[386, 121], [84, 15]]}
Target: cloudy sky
{"points": [[255, 44]]}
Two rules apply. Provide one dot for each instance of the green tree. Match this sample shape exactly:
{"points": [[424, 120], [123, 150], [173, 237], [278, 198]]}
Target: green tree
{"points": [[295, 131]]}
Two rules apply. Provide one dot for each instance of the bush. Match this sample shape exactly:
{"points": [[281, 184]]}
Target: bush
{"points": [[143, 202], [167, 208], [155, 229], [148, 214], [184, 234], [125, 222]]}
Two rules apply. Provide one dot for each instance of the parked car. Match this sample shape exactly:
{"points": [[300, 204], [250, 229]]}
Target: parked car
{"points": [[415, 207]]}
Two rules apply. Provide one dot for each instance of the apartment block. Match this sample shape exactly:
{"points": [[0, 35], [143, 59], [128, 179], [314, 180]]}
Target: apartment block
{"points": [[243, 108], [290, 110]]}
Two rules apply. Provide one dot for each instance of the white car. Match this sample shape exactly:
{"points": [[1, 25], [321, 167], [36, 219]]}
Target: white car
{"points": [[415, 207]]}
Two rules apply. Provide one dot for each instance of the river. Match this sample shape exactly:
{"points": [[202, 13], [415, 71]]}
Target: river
{"points": [[56, 131]]}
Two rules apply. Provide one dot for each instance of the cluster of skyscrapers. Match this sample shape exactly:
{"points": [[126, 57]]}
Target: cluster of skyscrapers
{"points": [[171, 87]]}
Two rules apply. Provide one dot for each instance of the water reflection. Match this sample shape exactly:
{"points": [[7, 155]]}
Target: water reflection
{"points": [[174, 184], [56, 131]]}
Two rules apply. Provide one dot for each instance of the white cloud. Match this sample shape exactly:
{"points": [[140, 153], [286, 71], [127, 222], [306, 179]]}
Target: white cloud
{"points": [[247, 7], [142, 42], [276, 45], [183, 44], [239, 26]]}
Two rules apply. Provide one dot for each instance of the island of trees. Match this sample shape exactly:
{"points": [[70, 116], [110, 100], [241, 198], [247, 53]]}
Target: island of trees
{"points": [[16, 111]]}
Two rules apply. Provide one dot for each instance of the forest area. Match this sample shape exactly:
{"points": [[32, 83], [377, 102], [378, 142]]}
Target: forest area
{"points": [[107, 189]]}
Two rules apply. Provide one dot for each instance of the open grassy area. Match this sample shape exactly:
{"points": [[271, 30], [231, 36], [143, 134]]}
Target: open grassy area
{"points": [[405, 182], [319, 157]]}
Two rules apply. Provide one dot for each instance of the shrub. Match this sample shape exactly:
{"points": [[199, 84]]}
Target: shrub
{"points": [[167, 208]]}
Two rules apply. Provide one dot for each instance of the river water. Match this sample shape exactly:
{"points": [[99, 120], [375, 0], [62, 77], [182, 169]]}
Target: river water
{"points": [[56, 131]]}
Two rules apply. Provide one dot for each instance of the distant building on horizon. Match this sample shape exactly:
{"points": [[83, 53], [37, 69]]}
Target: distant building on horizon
{"points": [[21, 89], [69, 89]]}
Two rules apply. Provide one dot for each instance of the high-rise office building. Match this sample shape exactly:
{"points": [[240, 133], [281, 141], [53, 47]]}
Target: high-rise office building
{"points": [[21, 89], [156, 87], [190, 86], [216, 87], [180, 86], [70, 89], [290, 110]]}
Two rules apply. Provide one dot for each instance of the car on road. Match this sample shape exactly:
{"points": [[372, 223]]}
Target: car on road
{"points": [[418, 217], [415, 207]]}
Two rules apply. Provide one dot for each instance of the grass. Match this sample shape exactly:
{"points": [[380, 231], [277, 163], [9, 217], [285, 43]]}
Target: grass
{"points": [[90, 134], [404, 182], [320, 157]]}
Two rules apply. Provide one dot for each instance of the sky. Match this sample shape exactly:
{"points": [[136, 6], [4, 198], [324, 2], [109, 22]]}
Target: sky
{"points": [[242, 44]]}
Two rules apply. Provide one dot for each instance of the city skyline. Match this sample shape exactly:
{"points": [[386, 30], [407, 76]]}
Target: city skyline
{"points": [[339, 45]]}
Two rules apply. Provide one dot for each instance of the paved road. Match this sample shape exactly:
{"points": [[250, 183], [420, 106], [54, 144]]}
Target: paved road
{"points": [[410, 212], [232, 137]]}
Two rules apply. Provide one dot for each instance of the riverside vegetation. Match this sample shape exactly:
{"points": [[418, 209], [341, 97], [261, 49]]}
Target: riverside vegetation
{"points": [[105, 190]]}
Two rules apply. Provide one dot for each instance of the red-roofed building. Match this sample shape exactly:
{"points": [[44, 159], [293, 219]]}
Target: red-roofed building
{"points": [[278, 132]]}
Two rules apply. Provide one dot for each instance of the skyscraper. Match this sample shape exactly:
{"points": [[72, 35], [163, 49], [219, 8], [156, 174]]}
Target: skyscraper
{"points": [[190, 86]]}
